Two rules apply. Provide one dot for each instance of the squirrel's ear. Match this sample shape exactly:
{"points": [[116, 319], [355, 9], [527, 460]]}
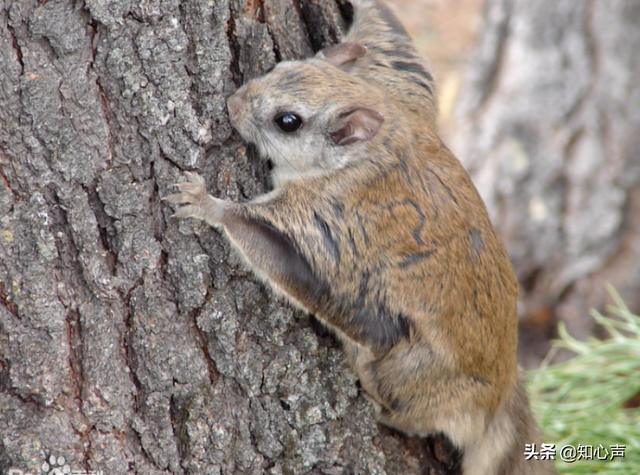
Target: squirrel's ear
{"points": [[355, 125], [343, 53]]}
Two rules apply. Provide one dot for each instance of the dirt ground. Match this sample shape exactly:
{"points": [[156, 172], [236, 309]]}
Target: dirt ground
{"points": [[444, 31]]}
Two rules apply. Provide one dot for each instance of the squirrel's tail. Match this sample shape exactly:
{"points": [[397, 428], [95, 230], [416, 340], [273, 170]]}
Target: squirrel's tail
{"points": [[391, 58], [372, 19], [512, 428]]}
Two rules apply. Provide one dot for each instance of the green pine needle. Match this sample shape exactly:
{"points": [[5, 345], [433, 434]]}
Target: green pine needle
{"points": [[582, 400]]}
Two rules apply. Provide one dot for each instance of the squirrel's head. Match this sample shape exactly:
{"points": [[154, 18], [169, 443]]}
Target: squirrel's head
{"points": [[308, 116]]}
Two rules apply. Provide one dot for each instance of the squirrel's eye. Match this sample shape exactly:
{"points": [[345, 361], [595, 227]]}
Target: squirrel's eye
{"points": [[288, 121]]}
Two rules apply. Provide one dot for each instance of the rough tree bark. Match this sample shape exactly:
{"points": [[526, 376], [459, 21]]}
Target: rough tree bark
{"points": [[129, 342], [549, 129]]}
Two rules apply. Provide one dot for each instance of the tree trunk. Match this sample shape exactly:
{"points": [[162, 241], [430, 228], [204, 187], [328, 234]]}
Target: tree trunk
{"points": [[130, 342], [549, 124]]}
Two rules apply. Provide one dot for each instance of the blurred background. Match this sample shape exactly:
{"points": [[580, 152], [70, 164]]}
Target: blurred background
{"points": [[541, 102]]}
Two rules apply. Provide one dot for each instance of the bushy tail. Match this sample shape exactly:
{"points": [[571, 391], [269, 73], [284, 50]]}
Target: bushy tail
{"points": [[372, 18], [510, 430], [391, 59]]}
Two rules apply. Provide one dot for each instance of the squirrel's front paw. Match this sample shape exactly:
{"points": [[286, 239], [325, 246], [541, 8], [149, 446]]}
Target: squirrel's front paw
{"points": [[193, 194], [198, 204]]}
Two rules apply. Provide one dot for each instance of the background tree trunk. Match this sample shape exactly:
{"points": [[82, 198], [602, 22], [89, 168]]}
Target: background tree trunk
{"points": [[129, 342], [549, 127]]}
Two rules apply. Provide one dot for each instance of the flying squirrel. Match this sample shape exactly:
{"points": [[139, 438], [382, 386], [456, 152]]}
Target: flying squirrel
{"points": [[375, 228]]}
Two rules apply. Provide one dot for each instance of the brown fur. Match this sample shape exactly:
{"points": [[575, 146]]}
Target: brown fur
{"points": [[391, 61], [383, 237]]}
